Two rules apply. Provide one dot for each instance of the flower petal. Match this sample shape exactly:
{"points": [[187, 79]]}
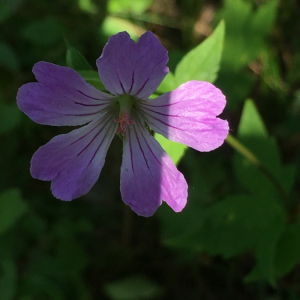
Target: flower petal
{"points": [[129, 68], [148, 174], [62, 97], [188, 115], [74, 161]]}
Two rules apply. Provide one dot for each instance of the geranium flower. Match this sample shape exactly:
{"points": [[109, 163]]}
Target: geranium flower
{"points": [[131, 72]]}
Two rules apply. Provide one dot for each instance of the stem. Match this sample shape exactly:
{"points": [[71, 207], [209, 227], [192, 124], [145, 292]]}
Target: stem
{"points": [[240, 148]]}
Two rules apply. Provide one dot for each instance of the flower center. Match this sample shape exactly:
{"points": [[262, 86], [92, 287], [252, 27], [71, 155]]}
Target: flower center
{"points": [[126, 103], [124, 122]]}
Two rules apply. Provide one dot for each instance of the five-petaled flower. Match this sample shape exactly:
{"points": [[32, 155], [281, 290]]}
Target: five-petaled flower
{"points": [[131, 73]]}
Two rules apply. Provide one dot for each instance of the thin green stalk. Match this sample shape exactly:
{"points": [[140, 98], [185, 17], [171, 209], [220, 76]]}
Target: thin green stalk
{"points": [[240, 148]]}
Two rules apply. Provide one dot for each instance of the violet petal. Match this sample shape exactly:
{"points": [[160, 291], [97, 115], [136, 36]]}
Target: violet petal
{"points": [[188, 115], [148, 174], [74, 161], [61, 97], [129, 68]]}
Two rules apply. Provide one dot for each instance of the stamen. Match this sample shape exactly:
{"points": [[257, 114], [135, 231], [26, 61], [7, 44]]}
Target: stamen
{"points": [[124, 123]]}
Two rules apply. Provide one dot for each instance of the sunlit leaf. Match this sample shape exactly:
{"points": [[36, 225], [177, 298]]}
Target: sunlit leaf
{"points": [[168, 84], [114, 25], [88, 6], [203, 62], [123, 6]]}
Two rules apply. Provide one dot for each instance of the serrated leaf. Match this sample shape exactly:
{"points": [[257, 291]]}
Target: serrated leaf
{"points": [[236, 224], [12, 207], [175, 150], [76, 60], [133, 288], [202, 63]]}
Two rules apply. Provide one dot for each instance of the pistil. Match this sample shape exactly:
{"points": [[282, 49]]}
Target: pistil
{"points": [[126, 103]]}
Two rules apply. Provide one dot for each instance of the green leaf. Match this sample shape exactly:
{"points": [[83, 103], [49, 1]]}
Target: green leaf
{"points": [[44, 285], [123, 6], [10, 117], [113, 25], [92, 77], [287, 253], [168, 84], [238, 223], [253, 134], [43, 33], [8, 58], [246, 30], [76, 60], [239, 216], [8, 7], [175, 150], [287, 177], [133, 288], [202, 63], [8, 279], [12, 207], [88, 6], [263, 22]]}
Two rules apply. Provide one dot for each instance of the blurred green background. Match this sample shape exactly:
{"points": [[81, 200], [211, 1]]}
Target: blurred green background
{"points": [[238, 237]]}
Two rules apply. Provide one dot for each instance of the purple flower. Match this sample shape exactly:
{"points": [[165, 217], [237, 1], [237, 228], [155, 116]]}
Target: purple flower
{"points": [[131, 72]]}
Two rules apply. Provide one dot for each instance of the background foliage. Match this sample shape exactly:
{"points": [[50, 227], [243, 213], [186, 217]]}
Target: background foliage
{"points": [[238, 237]]}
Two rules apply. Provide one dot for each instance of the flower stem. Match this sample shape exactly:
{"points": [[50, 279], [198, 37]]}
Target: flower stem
{"points": [[240, 148]]}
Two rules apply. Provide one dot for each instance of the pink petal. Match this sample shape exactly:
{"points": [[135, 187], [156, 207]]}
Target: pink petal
{"points": [[74, 161], [188, 115], [129, 68], [62, 97], [148, 174]]}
